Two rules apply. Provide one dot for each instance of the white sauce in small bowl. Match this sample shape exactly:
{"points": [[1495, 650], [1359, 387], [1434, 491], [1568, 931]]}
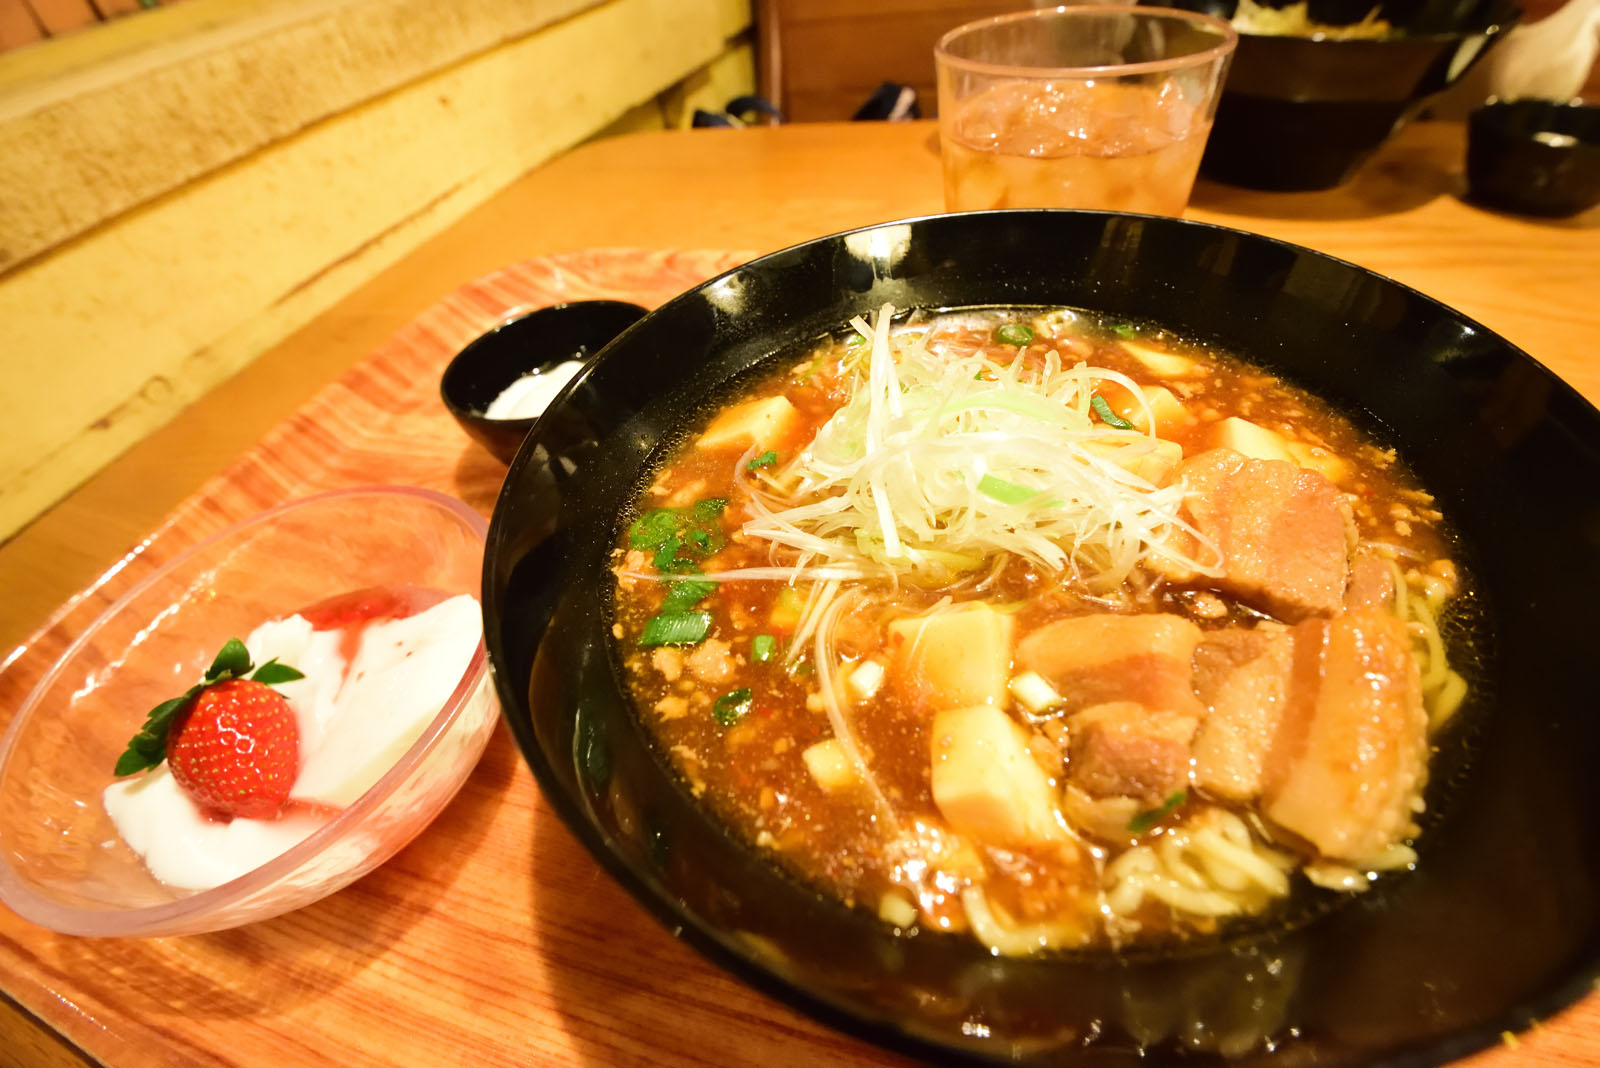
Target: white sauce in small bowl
{"points": [[532, 393]]}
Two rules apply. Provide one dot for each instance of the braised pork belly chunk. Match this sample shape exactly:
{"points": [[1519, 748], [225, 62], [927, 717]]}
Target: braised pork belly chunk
{"points": [[1123, 749], [1371, 582], [1281, 530], [1323, 723], [1242, 678], [1098, 658], [1349, 760]]}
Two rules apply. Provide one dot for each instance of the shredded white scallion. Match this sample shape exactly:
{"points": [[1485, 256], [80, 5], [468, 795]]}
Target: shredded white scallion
{"points": [[939, 462], [838, 716]]}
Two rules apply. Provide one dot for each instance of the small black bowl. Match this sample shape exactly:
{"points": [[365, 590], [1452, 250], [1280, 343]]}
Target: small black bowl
{"points": [[1500, 922], [1303, 113], [533, 341], [1535, 157]]}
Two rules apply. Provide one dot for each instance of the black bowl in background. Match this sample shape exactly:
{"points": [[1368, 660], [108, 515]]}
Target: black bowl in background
{"points": [[1499, 924], [1299, 113], [529, 341], [1535, 157]]}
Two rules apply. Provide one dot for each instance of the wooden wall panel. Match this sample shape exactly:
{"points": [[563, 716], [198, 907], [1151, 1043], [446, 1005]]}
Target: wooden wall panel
{"points": [[112, 8], [821, 59], [64, 16], [18, 25]]}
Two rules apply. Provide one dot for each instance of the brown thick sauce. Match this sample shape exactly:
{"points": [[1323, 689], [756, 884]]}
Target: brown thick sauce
{"points": [[752, 774]]}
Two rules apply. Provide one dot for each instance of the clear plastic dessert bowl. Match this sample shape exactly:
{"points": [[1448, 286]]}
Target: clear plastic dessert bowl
{"points": [[64, 865]]}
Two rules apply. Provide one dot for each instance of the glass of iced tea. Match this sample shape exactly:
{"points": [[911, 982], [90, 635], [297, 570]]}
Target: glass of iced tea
{"points": [[1079, 107]]}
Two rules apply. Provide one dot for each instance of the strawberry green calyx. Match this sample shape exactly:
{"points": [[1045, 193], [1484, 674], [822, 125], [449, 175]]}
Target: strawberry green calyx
{"points": [[149, 747]]}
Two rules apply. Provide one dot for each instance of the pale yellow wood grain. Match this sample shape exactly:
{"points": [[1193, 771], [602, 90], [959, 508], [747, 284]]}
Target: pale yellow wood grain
{"points": [[79, 115], [108, 335]]}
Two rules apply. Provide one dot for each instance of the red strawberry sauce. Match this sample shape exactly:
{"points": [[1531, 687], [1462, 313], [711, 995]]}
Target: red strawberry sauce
{"points": [[355, 611]]}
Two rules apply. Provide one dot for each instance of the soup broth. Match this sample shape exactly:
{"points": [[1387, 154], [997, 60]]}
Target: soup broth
{"points": [[1041, 626]]}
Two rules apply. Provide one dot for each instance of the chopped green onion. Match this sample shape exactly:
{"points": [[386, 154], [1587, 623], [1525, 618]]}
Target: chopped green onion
{"points": [[766, 459], [1109, 417], [680, 535], [653, 528], [856, 338], [1123, 330], [669, 562], [676, 628], [682, 596], [730, 708], [763, 647], [1150, 817], [1003, 491], [1013, 334]]}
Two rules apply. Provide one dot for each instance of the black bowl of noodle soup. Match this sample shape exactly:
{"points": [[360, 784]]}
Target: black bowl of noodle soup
{"points": [[1049, 636]]}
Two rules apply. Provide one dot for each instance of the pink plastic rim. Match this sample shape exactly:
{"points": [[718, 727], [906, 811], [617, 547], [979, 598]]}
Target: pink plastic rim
{"points": [[132, 922]]}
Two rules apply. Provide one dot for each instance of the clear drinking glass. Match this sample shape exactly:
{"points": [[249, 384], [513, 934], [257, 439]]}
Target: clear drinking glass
{"points": [[1079, 107]]}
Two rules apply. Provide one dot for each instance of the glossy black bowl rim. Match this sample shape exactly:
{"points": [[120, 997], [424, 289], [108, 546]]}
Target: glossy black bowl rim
{"points": [[513, 316], [691, 928], [1496, 20], [1489, 29], [1497, 114]]}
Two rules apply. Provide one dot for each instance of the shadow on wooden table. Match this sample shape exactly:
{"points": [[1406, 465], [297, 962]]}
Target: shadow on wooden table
{"points": [[478, 476], [266, 970], [1401, 179], [628, 992]]}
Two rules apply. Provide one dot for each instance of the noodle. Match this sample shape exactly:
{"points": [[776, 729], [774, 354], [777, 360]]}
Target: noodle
{"points": [[842, 729], [1212, 866], [1443, 688], [1016, 940]]}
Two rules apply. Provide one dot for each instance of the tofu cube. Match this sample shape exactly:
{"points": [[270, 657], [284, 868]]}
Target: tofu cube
{"points": [[830, 765], [986, 782], [1164, 364], [1153, 459], [866, 679], [758, 422], [1168, 411], [1250, 439], [954, 658], [1325, 462]]}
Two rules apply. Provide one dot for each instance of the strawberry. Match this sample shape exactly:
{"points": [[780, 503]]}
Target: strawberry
{"points": [[236, 749], [232, 742]]}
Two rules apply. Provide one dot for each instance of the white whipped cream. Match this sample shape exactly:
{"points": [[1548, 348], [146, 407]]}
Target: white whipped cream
{"points": [[355, 721], [183, 848], [402, 674], [533, 392]]}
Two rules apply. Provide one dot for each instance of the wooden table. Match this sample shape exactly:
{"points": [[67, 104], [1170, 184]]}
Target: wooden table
{"points": [[478, 943]]}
